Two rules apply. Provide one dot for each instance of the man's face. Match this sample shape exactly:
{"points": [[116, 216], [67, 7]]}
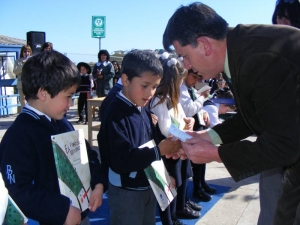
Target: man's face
{"points": [[197, 59]]}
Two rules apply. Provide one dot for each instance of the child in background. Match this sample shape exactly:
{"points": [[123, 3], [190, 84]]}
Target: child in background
{"points": [[126, 125], [84, 89], [221, 104], [26, 156], [165, 99], [193, 106], [26, 52]]}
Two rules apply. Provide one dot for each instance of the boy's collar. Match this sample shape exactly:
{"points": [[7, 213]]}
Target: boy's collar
{"points": [[36, 111]]}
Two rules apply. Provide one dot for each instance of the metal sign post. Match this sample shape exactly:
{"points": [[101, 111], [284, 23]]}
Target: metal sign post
{"points": [[98, 28]]}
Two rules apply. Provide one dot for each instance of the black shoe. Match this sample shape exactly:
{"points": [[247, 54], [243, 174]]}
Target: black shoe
{"points": [[193, 205], [188, 213], [177, 222], [86, 122], [79, 121], [209, 189], [200, 194]]}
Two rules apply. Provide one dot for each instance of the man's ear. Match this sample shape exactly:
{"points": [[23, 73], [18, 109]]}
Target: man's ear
{"points": [[205, 45], [42, 94], [124, 79]]}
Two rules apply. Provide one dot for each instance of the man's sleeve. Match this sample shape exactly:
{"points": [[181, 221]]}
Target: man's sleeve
{"points": [[269, 96]]}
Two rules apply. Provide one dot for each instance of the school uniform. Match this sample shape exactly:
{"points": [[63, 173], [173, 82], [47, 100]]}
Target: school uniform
{"points": [[27, 159], [124, 128], [84, 90]]}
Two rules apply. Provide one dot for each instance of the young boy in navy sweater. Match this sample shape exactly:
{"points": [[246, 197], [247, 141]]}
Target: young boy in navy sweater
{"points": [[49, 80], [126, 125]]}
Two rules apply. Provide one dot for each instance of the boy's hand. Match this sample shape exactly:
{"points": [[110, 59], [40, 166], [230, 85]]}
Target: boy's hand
{"points": [[73, 217], [96, 197], [189, 123], [173, 182], [168, 146], [180, 154]]}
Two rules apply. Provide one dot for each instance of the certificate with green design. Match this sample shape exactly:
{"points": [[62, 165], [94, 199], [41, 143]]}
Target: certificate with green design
{"points": [[72, 166], [14, 215], [159, 180]]}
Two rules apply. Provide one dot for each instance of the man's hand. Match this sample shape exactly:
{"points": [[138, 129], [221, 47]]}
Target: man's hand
{"points": [[199, 134], [73, 217], [199, 150], [96, 197], [169, 146]]}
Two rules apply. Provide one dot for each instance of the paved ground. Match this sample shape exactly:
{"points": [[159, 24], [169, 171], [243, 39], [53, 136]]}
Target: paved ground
{"points": [[239, 206]]}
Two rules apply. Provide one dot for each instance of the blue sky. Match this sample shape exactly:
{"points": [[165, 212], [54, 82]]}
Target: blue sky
{"points": [[129, 23]]}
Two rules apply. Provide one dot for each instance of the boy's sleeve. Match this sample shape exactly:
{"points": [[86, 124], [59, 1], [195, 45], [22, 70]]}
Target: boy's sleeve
{"points": [[19, 166], [98, 170], [124, 156]]}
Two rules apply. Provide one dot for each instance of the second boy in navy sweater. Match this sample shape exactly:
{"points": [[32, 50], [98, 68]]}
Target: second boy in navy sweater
{"points": [[126, 125]]}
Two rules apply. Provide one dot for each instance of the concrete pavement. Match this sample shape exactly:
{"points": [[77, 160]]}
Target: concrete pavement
{"points": [[239, 206]]}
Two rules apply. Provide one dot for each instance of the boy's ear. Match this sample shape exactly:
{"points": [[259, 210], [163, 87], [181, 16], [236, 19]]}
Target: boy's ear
{"points": [[124, 79], [42, 94]]}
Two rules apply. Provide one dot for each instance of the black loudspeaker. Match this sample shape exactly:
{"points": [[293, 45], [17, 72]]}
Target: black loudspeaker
{"points": [[36, 39]]}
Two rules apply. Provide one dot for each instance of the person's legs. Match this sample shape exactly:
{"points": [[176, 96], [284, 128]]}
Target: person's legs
{"points": [[288, 206], [208, 189], [80, 107], [149, 207], [182, 210], [198, 191], [85, 221], [129, 207], [270, 187], [86, 109], [181, 195], [167, 215]]}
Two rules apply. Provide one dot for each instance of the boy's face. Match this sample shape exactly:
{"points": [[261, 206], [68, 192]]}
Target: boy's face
{"points": [[140, 89], [191, 80], [57, 107]]}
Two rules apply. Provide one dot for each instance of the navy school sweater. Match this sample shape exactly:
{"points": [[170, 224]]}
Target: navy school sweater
{"points": [[28, 168], [123, 129]]}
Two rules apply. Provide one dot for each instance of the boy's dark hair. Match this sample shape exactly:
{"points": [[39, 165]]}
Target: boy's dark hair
{"points": [[137, 62], [290, 10], [105, 52], [51, 71], [191, 22]]}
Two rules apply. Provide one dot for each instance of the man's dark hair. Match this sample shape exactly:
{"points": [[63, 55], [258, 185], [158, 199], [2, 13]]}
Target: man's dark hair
{"points": [[51, 71], [191, 22], [137, 62]]}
